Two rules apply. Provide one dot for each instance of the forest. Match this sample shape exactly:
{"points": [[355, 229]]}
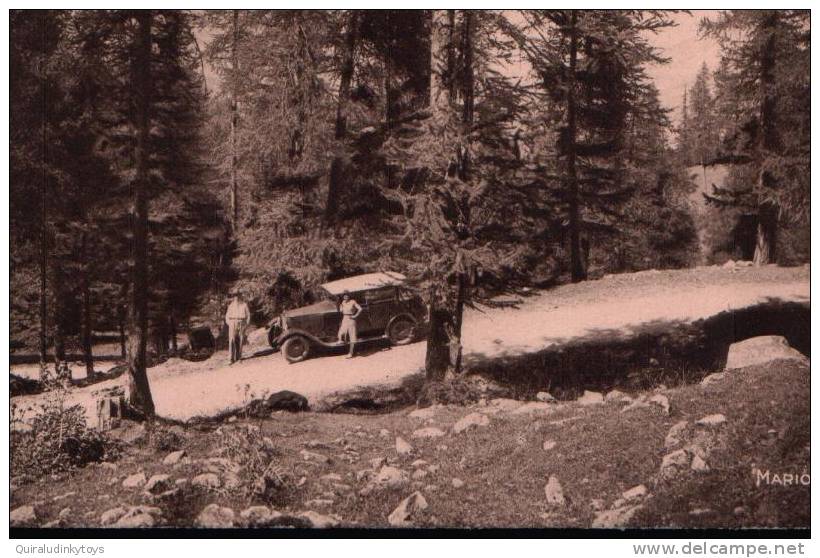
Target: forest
{"points": [[161, 158]]}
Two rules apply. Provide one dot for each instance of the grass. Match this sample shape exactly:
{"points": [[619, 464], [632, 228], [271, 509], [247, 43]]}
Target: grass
{"points": [[599, 453]]}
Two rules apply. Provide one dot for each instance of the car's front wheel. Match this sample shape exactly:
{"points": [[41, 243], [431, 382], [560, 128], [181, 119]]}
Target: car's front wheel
{"points": [[296, 348], [401, 331]]}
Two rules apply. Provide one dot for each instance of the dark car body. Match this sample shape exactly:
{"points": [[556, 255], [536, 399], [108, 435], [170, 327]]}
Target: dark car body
{"points": [[389, 311]]}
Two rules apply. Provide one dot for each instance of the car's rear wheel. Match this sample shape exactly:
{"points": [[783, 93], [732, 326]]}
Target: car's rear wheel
{"points": [[296, 349], [401, 331]]}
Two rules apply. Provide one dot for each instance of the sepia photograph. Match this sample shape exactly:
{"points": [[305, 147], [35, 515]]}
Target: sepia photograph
{"points": [[409, 272]]}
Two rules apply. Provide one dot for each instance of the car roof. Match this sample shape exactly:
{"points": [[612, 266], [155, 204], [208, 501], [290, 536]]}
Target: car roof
{"points": [[365, 282]]}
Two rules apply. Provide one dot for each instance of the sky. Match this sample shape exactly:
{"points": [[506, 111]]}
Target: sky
{"points": [[687, 53]]}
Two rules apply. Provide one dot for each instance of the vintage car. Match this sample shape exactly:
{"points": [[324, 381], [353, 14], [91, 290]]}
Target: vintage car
{"points": [[389, 311]]}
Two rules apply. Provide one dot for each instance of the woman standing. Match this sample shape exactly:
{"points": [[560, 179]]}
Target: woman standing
{"points": [[350, 310]]}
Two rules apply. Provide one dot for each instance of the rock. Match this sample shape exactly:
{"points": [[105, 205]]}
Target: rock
{"points": [[403, 447], [181, 482], [410, 507], [390, 477], [661, 401], [24, 515], [319, 503], [457, 483], [675, 435], [635, 405], [426, 433], [674, 463], [136, 521], [319, 521], [331, 477], [554, 492], [53, 524], [418, 474], [760, 350], [257, 516], [317, 444], [504, 404], [418, 463], [549, 445], [113, 515], [713, 378], [634, 494], [711, 420], [426, 412], [533, 407], [590, 398], [596, 504], [174, 457], [432, 469], [134, 481], [545, 397], [313, 456], [208, 481], [384, 433], [65, 513], [214, 516], [377, 462], [616, 518], [158, 483], [287, 401], [699, 465], [617, 397], [473, 420]]}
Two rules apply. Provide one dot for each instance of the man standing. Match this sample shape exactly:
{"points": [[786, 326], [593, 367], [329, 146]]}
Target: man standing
{"points": [[237, 317], [350, 310]]}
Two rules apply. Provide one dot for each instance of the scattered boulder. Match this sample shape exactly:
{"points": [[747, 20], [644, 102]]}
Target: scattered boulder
{"points": [[174, 457], [65, 513], [674, 463], [318, 521], [214, 516], [258, 516], [158, 483], [457, 483], [549, 445], [675, 435], [760, 350], [134, 481], [331, 477], [426, 412], [384, 433], [616, 518], [136, 521], [473, 420], [390, 477], [533, 407], [24, 515], [377, 462], [410, 507], [425, 433], [418, 474], [545, 397], [313, 456], [403, 447], [113, 515], [590, 398], [505, 404], [699, 464], [617, 396], [287, 401], [418, 463], [713, 379], [208, 481], [631, 496], [712, 420], [554, 492]]}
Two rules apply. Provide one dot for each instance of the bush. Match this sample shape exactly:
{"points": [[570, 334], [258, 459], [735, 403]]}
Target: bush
{"points": [[57, 439], [258, 471]]}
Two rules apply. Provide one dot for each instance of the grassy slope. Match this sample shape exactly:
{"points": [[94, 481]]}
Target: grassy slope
{"points": [[598, 454]]}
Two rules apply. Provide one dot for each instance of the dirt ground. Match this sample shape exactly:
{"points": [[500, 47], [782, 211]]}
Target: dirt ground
{"points": [[494, 474], [183, 390]]}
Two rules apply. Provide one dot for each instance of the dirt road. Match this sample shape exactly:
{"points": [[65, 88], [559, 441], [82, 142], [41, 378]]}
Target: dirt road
{"points": [[183, 389]]}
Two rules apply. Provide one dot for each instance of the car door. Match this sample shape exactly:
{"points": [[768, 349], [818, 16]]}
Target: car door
{"points": [[380, 303]]}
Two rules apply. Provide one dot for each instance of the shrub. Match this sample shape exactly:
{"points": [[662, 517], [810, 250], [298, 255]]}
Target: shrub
{"points": [[55, 440], [256, 459]]}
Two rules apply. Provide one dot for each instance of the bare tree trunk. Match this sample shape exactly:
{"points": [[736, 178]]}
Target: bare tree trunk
{"points": [[576, 256], [439, 40], [234, 122], [337, 167], [43, 288], [768, 144], [122, 309], [139, 391], [88, 355], [59, 339], [172, 326]]}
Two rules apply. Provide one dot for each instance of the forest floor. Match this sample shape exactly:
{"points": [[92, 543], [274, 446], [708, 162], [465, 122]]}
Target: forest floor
{"points": [[616, 303], [710, 454]]}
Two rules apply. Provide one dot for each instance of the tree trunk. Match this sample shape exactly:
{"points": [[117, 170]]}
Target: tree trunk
{"points": [[337, 166], [451, 55], [59, 339], [768, 144], [172, 327], [139, 392], [234, 122], [88, 355], [439, 40], [43, 289], [437, 357], [576, 256]]}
